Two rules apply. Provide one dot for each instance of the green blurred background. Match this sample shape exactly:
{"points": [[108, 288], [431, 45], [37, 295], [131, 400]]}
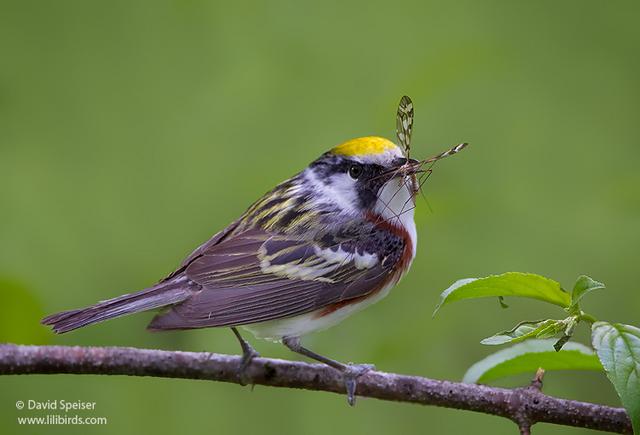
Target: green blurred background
{"points": [[130, 132]]}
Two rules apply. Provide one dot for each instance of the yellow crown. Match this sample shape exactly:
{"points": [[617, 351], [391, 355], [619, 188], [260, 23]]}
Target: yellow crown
{"points": [[363, 146]]}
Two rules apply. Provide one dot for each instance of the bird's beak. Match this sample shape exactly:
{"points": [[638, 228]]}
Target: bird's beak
{"points": [[403, 166]]}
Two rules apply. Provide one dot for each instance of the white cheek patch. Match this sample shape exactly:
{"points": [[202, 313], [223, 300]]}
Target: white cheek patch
{"points": [[339, 190], [344, 192]]}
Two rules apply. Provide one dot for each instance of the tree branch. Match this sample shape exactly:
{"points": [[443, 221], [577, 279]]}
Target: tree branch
{"points": [[525, 406]]}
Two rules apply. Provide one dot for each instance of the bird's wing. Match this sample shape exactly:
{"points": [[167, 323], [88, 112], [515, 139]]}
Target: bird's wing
{"points": [[255, 276], [404, 124]]}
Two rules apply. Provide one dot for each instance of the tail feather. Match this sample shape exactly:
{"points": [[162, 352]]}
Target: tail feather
{"points": [[161, 295]]}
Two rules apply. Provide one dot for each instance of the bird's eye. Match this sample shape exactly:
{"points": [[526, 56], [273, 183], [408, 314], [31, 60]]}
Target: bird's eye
{"points": [[355, 171]]}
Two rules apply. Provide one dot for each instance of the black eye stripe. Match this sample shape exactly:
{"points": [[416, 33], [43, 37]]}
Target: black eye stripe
{"points": [[327, 166], [368, 183]]}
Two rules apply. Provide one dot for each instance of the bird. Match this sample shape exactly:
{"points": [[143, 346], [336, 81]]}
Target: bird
{"points": [[320, 246]]}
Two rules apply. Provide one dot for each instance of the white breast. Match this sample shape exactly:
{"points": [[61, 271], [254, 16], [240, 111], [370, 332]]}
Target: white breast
{"points": [[396, 203]]}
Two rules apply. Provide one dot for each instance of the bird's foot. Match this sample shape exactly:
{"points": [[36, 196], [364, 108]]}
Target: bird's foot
{"points": [[248, 354], [350, 374]]}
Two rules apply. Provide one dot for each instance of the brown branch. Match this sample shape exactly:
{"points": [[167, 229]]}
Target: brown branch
{"points": [[525, 406]]}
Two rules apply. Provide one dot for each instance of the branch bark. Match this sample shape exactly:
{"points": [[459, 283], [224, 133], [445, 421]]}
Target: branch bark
{"points": [[525, 406]]}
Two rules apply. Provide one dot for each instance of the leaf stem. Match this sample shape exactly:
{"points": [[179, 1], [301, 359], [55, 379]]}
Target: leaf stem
{"points": [[587, 317]]}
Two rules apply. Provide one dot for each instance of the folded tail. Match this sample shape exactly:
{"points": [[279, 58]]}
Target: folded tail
{"points": [[160, 295]]}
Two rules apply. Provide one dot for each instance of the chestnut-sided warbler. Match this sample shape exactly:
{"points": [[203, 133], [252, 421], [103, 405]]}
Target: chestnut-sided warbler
{"points": [[320, 246]]}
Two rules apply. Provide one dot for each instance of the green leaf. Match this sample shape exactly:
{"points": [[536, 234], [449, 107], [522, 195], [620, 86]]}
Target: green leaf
{"points": [[584, 285], [528, 356], [524, 330], [508, 284], [618, 347]]}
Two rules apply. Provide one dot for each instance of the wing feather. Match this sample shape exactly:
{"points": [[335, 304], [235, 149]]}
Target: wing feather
{"points": [[255, 276]]}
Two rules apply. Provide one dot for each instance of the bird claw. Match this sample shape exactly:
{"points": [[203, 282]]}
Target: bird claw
{"points": [[350, 375], [248, 354]]}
